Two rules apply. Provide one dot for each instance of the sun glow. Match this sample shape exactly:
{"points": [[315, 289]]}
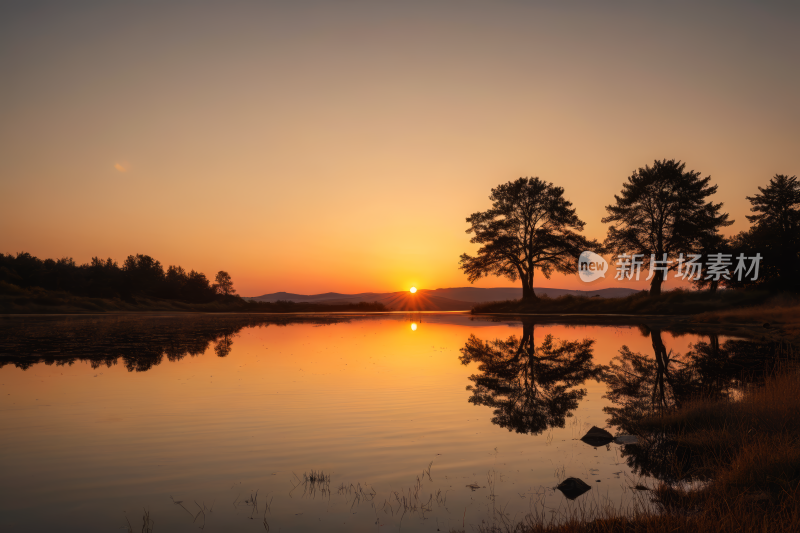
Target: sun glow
{"points": [[413, 290], [413, 327]]}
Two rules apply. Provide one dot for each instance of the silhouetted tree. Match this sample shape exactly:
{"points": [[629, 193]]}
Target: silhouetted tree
{"points": [[776, 231], [711, 244], [104, 278], [197, 288], [144, 275], [224, 283], [530, 226], [174, 281], [530, 388], [663, 212]]}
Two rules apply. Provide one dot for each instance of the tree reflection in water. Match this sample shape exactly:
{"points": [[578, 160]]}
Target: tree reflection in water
{"points": [[530, 388], [642, 385], [138, 342], [224, 344], [643, 388]]}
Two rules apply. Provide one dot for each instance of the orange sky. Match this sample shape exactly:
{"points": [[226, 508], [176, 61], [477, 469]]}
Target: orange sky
{"points": [[340, 146]]}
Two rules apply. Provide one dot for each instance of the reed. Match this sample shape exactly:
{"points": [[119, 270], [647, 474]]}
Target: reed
{"points": [[147, 523]]}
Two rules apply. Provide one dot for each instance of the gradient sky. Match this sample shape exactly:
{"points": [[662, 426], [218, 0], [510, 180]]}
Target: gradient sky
{"points": [[339, 146]]}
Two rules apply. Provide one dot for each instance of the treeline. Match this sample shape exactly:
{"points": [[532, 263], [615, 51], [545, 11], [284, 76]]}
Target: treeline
{"points": [[32, 285], [774, 233], [667, 211], [140, 276], [663, 222]]}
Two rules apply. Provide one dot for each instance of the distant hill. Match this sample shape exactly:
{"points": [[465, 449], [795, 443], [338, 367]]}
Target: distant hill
{"points": [[454, 299], [479, 295]]}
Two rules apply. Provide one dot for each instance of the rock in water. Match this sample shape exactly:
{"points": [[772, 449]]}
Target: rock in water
{"points": [[573, 487], [597, 437]]}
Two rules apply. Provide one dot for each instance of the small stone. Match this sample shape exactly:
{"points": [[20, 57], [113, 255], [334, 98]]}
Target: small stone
{"points": [[597, 437], [573, 487]]}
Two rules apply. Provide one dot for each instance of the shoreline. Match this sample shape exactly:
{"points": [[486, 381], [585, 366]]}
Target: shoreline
{"points": [[701, 323]]}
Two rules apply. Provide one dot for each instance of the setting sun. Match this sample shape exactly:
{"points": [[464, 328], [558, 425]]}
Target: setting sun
{"points": [[297, 163]]}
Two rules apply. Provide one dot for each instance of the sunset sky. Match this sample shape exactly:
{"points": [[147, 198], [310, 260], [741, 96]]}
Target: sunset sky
{"points": [[339, 146]]}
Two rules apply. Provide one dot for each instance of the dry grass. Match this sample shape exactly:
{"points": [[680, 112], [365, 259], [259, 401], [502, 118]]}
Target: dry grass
{"points": [[750, 444], [743, 515], [748, 450], [781, 313]]}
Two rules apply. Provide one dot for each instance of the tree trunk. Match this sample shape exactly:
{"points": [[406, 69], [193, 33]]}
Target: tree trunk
{"points": [[527, 292], [655, 283], [713, 287]]}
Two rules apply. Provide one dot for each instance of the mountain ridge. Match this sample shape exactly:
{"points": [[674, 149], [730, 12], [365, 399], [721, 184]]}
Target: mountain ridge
{"points": [[442, 299]]}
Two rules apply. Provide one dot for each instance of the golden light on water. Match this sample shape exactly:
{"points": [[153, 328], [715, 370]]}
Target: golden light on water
{"points": [[413, 326], [413, 290]]}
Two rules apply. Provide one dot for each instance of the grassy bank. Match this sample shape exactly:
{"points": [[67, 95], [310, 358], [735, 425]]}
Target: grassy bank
{"points": [[17, 300], [747, 450], [675, 302], [781, 315]]}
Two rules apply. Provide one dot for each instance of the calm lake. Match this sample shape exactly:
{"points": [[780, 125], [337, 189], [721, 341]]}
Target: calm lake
{"points": [[415, 422]]}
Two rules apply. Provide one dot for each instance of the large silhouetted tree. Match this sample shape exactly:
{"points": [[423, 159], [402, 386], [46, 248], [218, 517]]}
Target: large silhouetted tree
{"points": [[662, 212], [530, 226]]}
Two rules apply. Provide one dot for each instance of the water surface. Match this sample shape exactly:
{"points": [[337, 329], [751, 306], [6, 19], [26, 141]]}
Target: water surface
{"points": [[419, 422]]}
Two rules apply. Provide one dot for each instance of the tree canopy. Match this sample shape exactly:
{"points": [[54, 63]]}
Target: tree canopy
{"points": [[530, 226], [224, 283], [662, 212], [775, 233]]}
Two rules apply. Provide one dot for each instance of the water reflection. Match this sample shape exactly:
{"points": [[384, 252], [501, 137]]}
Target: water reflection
{"points": [[139, 342], [644, 386], [531, 388], [368, 400]]}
